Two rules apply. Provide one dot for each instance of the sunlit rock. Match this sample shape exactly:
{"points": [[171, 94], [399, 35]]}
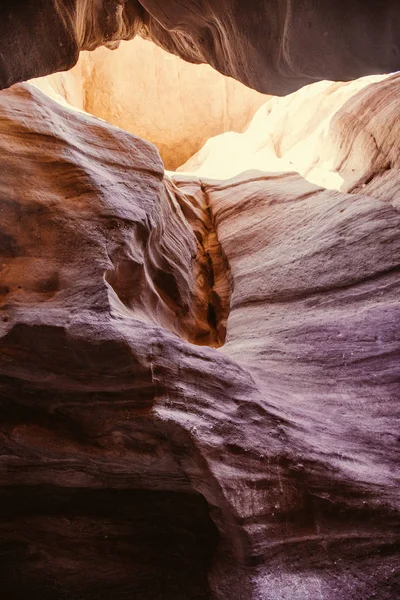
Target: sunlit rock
{"points": [[338, 135], [143, 89]]}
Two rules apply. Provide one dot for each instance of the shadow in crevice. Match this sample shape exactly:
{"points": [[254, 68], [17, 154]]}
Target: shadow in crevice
{"points": [[180, 277], [81, 544]]}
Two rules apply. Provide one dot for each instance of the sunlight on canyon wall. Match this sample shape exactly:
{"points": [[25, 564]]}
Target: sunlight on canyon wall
{"points": [[141, 88]]}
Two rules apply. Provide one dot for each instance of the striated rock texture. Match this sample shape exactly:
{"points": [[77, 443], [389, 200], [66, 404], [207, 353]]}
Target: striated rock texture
{"points": [[277, 46], [199, 379], [157, 96], [274, 46], [339, 135]]}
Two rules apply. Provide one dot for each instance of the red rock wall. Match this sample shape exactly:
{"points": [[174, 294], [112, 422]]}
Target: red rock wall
{"points": [[138, 457]]}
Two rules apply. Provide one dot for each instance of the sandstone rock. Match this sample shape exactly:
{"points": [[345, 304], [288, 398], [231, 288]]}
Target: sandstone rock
{"points": [[341, 136], [41, 37], [157, 96], [277, 46], [199, 378], [274, 46]]}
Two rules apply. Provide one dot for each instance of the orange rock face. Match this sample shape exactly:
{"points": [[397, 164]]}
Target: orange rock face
{"points": [[198, 377], [144, 90]]}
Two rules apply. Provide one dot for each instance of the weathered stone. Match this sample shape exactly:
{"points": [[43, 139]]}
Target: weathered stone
{"points": [[199, 378], [274, 46]]}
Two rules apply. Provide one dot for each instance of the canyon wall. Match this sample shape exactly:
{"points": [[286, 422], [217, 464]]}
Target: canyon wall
{"points": [[274, 46], [199, 377], [338, 135], [199, 370], [143, 89]]}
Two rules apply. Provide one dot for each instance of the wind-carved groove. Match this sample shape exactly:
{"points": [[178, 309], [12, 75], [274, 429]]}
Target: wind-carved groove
{"points": [[211, 271], [180, 281], [218, 276]]}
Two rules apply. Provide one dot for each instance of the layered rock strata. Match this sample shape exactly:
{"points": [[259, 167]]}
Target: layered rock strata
{"points": [[274, 46], [341, 136], [199, 378]]}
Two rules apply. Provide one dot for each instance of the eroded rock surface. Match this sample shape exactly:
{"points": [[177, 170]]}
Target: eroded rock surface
{"points": [[274, 46], [342, 136], [199, 378], [159, 97]]}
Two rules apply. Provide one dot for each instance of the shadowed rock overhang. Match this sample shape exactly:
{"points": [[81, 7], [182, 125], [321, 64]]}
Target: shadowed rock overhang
{"points": [[274, 46]]}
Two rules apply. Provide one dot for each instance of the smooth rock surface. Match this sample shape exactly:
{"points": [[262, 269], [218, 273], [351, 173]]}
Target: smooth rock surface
{"points": [[274, 46], [144, 90], [218, 360], [341, 136]]}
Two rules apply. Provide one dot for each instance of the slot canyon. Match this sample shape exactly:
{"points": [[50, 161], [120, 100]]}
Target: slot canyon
{"points": [[199, 300]]}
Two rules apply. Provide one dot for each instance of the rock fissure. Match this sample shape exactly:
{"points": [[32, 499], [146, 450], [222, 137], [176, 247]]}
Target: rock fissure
{"points": [[197, 308], [213, 280]]}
